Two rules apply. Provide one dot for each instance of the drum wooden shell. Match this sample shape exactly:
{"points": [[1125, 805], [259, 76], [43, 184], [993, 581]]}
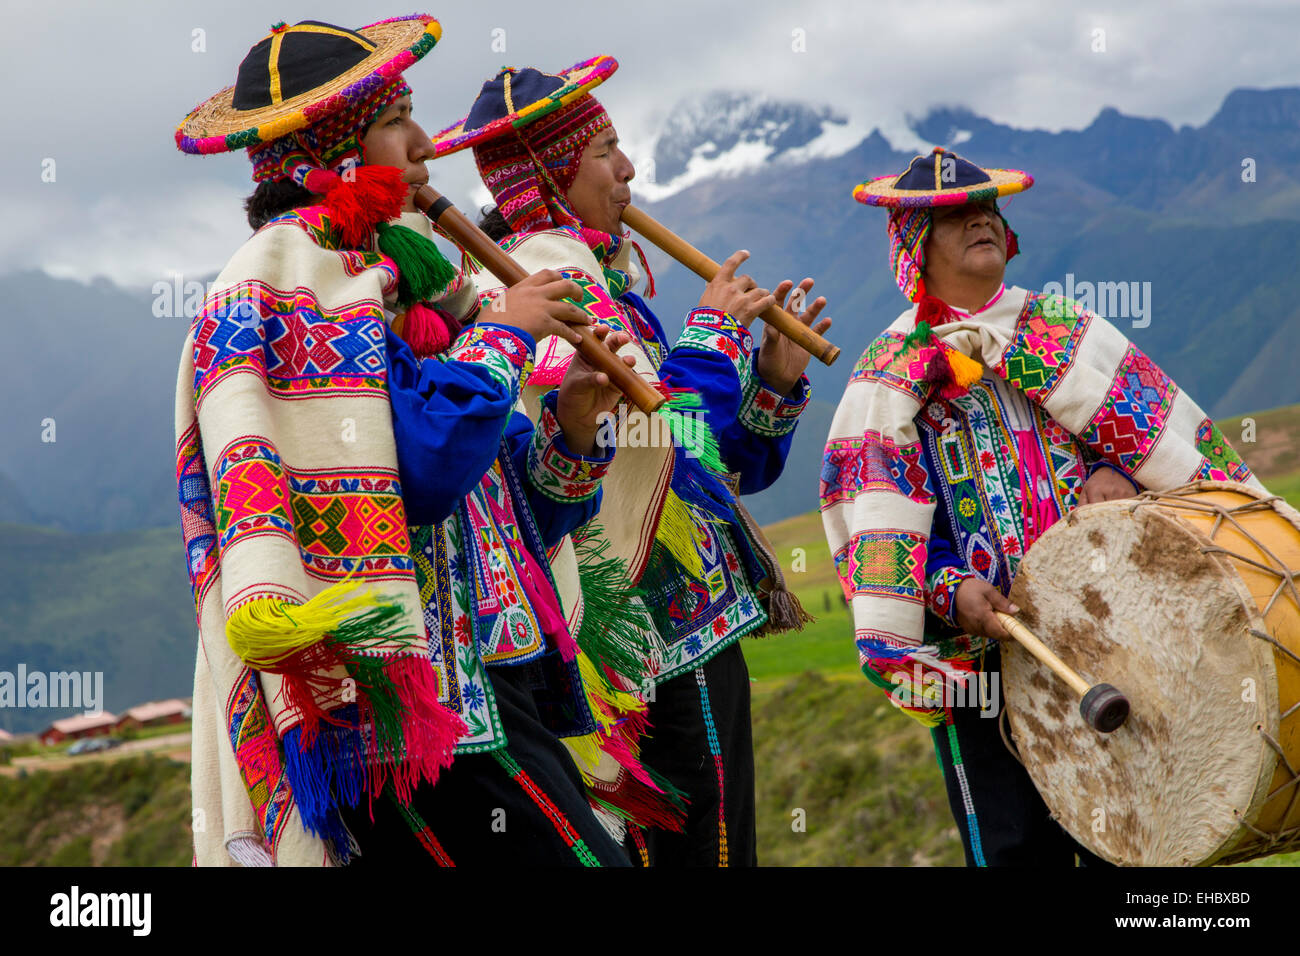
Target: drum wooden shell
{"points": [[1186, 601]]}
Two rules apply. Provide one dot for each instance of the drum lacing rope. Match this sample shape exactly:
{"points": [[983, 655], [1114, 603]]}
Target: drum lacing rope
{"points": [[1286, 584]]}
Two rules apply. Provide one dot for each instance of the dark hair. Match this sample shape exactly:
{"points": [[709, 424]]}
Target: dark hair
{"points": [[271, 199], [494, 224]]}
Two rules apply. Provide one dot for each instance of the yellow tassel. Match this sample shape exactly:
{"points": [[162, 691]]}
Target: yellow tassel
{"points": [[676, 532], [586, 754], [600, 691], [966, 371], [266, 631]]}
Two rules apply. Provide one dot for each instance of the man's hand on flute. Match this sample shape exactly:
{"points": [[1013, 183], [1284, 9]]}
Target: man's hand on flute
{"points": [[538, 305], [586, 394], [781, 361], [737, 295]]}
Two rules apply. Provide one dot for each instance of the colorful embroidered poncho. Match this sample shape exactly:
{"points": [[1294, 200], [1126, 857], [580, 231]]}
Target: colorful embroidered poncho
{"points": [[878, 497], [292, 396], [676, 529], [668, 514]]}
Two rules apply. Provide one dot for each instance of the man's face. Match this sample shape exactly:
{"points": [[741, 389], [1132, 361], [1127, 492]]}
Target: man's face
{"points": [[395, 139], [600, 193], [965, 242]]}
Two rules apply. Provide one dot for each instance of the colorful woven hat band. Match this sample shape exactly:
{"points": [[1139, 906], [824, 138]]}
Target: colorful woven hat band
{"points": [[331, 146], [529, 173], [908, 228]]}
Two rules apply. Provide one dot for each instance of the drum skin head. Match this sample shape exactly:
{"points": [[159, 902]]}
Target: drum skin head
{"points": [[1126, 596]]}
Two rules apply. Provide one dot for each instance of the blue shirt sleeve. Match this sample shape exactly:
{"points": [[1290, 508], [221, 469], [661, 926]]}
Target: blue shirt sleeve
{"points": [[759, 457], [448, 417], [557, 513], [714, 358]]}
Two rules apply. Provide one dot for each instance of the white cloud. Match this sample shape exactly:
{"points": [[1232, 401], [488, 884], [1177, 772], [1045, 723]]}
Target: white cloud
{"points": [[127, 203]]}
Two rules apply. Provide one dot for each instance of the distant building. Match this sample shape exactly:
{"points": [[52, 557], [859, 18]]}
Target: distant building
{"points": [[154, 713], [5, 735], [74, 728]]}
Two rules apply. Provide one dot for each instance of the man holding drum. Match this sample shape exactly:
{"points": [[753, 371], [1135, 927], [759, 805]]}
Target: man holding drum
{"points": [[972, 424]]}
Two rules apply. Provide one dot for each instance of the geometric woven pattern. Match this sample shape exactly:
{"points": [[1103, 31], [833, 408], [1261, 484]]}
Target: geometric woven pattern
{"points": [[252, 496], [1046, 341], [1132, 418], [887, 362], [350, 524], [257, 752], [851, 466], [886, 562]]}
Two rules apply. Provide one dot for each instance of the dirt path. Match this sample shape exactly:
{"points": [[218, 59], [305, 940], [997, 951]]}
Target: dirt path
{"points": [[173, 746]]}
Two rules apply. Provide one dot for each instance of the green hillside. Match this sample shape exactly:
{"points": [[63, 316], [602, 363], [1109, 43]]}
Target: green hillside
{"points": [[117, 603], [129, 812]]}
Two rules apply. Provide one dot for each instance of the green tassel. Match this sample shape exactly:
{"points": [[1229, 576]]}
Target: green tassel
{"points": [[386, 707], [683, 413], [918, 336], [423, 271], [614, 627]]}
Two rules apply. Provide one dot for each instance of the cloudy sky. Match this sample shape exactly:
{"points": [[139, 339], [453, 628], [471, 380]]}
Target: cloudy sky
{"points": [[98, 88]]}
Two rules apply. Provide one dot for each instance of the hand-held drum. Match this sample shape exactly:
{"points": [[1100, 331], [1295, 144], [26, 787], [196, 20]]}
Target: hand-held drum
{"points": [[1186, 601]]}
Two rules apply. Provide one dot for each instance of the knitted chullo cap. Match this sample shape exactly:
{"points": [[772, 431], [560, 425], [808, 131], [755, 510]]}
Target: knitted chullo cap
{"points": [[528, 130]]}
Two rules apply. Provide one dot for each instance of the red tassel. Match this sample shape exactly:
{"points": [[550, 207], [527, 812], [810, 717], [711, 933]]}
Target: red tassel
{"points": [[428, 330], [307, 679], [429, 731], [649, 276], [931, 310], [370, 195]]}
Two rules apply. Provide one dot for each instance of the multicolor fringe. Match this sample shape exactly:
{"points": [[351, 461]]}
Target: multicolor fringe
{"points": [[374, 743], [639, 795], [305, 643], [917, 678], [615, 626]]}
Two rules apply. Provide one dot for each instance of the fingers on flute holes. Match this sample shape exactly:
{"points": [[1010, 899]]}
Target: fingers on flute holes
{"points": [[732, 263]]}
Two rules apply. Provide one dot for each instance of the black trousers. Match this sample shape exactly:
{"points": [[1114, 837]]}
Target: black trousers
{"points": [[1001, 817], [526, 808], [701, 740]]}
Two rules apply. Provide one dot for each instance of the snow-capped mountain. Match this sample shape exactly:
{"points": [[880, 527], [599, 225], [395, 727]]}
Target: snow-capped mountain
{"points": [[727, 133]]}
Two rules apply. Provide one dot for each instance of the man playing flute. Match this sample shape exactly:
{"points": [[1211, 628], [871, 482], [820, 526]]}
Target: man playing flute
{"points": [[673, 526]]}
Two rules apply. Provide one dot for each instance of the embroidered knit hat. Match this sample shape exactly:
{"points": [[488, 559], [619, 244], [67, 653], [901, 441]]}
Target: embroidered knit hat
{"points": [[302, 98], [528, 130], [941, 178]]}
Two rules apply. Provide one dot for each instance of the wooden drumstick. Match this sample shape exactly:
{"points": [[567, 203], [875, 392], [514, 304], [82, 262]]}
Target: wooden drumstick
{"points": [[707, 268], [1103, 707]]}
